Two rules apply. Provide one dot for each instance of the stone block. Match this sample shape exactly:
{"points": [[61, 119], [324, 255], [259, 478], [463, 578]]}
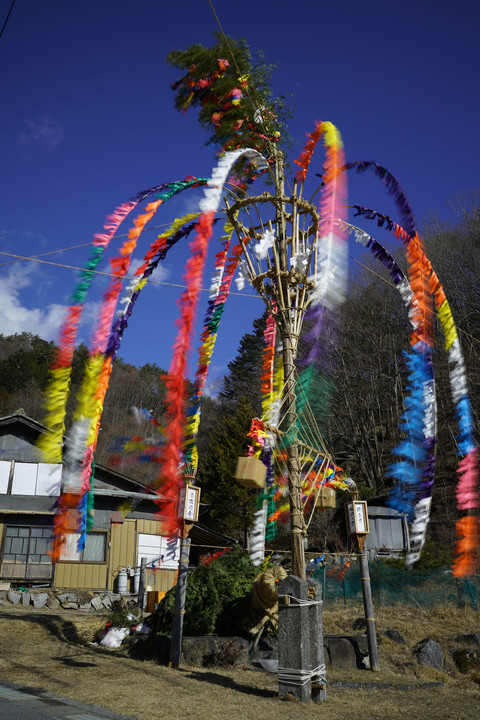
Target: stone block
{"points": [[26, 599], [340, 652], [40, 600], [430, 653], [107, 603], [395, 636], [69, 605], [208, 651], [85, 606], [97, 604], [14, 597], [53, 603], [67, 597]]}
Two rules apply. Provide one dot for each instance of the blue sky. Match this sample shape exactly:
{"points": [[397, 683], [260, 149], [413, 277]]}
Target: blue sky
{"points": [[88, 121]]}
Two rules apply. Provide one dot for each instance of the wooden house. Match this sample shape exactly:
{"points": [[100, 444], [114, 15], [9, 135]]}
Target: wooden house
{"points": [[29, 489]]}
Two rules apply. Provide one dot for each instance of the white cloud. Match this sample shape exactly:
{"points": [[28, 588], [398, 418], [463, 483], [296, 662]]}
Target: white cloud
{"points": [[17, 318], [44, 130], [160, 274]]}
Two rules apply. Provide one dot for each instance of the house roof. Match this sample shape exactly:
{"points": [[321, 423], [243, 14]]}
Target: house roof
{"points": [[200, 535]]}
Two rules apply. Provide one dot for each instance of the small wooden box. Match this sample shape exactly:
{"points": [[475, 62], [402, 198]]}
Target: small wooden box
{"points": [[154, 597], [326, 498], [251, 472]]}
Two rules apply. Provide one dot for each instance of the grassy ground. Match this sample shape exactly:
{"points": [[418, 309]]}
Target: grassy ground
{"points": [[50, 650]]}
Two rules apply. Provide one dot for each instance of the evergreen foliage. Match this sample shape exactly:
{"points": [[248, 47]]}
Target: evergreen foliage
{"points": [[244, 371], [233, 95], [217, 598], [230, 506]]}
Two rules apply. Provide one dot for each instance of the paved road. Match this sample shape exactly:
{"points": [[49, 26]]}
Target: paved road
{"points": [[24, 703]]}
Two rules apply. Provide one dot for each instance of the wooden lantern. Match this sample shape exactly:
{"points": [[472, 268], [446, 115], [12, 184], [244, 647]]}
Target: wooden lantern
{"points": [[189, 503], [251, 472], [356, 512]]}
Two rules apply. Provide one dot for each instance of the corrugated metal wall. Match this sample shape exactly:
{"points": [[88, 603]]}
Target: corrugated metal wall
{"points": [[84, 576]]}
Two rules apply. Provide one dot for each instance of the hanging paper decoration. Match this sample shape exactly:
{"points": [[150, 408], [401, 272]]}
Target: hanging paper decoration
{"points": [[170, 479], [79, 458], [425, 284], [219, 291], [59, 381], [393, 188]]}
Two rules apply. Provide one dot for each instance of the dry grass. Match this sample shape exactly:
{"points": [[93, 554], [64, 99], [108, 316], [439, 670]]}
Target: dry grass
{"points": [[49, 650]]}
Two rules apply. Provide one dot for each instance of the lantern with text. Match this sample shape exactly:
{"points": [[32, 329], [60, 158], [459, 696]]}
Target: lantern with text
{"points": [[357, 520]]}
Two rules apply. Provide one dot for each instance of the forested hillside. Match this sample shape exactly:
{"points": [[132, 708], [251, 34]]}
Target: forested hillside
{"points": [[362, 424]]}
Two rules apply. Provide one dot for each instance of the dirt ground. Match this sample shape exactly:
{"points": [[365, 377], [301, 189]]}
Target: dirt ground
{"points": [[51, 650]]}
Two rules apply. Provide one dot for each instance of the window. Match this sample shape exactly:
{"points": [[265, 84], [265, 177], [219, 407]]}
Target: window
{"points": [[95, 549], [24, 478], [162, 551], [25, 552]]}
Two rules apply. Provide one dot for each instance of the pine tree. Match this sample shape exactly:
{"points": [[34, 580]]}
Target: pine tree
{"points": [[230, 506]]}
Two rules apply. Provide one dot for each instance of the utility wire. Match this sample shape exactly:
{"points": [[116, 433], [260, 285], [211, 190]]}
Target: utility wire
{"points": [[99, 272], [6, 19]]}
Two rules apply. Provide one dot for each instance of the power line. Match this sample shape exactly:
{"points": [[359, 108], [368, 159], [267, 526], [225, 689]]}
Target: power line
{"points": [[6, 19], [114, 275]]}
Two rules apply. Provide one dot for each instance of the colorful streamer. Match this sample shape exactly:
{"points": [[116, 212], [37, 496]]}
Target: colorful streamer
{"points": [[170, 479]]}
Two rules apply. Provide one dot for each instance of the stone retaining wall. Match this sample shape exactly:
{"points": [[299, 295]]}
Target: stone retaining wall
{"points": [[67, 600]]}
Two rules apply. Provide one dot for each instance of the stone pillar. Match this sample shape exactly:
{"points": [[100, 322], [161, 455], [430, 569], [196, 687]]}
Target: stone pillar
{"points": [[317, 652], [293, 639]]}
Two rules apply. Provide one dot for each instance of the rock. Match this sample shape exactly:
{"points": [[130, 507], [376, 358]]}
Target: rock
{"points": [[467, 659], [26, 598], [69, 605], [53, 603], [469, 639], [40, 600], [107, 603], [395, 636], [69, 597], [430, 653], [14, 598], [85, 606], [97, 604], [267, 649], [207, 651], [359, 624], [340, 652]]}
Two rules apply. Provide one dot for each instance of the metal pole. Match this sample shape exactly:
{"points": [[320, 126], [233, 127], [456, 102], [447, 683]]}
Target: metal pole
{"points": [[141, 585], [368, 607]]}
